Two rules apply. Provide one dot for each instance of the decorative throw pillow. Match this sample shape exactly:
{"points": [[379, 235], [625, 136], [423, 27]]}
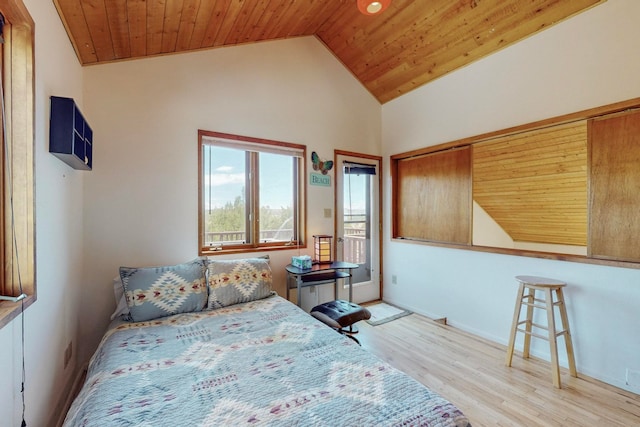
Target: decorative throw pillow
{"points": [[154, 292], [235, 281]]}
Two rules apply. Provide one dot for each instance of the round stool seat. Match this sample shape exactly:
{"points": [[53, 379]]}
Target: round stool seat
{"points": [[540, 281]]}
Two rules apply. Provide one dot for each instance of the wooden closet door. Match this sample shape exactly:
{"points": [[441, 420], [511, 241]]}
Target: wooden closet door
{"points": [[433, 197], [614, 187]]}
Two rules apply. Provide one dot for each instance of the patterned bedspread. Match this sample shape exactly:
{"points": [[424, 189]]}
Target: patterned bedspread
{"points": [[262, 363]]}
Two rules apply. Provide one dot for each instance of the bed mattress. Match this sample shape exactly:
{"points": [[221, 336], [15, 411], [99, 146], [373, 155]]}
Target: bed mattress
{"points": [[262, 363]]}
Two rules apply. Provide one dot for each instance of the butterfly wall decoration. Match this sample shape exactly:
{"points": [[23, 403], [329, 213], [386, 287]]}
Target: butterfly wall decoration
{"points": [[323, 166]]}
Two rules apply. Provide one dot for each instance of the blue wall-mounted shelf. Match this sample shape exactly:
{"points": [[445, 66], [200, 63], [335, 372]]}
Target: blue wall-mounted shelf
{"points": [[70, 136]]}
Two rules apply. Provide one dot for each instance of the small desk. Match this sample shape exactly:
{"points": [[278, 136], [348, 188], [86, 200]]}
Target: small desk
{"points": [[321, 274]]}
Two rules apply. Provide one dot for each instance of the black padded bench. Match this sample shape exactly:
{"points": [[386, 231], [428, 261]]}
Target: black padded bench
{"points": [[340, 315]]}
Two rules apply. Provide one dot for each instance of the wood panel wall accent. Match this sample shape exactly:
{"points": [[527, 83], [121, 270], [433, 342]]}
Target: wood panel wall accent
{"points": [[408, 45], [433, 197], [534, 184], [613, 180], [614, 192]]}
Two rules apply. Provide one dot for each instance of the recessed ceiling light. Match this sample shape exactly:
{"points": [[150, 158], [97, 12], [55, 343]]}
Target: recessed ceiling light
{"points": [[372, 7]]}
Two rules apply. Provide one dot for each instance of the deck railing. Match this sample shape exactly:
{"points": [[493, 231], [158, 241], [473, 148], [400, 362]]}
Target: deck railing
{"points": [[355, 249], [354, 241], [238, 237]]}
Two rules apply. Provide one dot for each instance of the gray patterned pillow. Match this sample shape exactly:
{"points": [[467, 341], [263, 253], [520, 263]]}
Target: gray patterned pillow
{"points": [[154, 292], [240, 280]]}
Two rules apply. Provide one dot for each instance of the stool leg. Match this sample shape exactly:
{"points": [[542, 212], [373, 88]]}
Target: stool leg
{"points": [[553, 342], [514, 325], [531, 299], [567, 333]]}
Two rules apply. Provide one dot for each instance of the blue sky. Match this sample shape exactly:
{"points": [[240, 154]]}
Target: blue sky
{"points": [[226, 174]]}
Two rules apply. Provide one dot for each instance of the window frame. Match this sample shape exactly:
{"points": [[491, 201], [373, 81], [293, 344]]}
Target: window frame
{"points": [[252, 201], [18, 234]]}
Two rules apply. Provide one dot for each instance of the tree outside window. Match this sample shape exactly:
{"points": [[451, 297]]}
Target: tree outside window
{"points": [[251, 193]]}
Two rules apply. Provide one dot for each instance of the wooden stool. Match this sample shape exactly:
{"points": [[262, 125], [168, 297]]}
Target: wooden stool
{"points": [[547, 286]]}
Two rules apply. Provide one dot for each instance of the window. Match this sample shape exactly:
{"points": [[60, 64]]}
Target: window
{"points": [[251, 193], [17, 253]]}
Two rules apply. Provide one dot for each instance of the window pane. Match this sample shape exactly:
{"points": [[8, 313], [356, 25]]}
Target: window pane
{"points": [[224, 187], [357, 223], [251, 193], [276, 195]]}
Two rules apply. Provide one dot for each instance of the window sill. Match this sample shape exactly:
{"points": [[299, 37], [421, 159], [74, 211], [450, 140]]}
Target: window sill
{"points": [[212, 252], [524, 253], [11, 310]]}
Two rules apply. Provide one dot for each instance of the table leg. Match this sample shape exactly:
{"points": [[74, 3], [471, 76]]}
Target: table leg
{"points": [[299, 285], [287, 284]]}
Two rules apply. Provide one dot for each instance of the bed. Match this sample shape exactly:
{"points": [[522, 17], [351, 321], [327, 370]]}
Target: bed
{"points": [[257, 361]]}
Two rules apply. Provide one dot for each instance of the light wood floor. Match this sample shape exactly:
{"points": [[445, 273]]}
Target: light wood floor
{"points": [[470, 372]]}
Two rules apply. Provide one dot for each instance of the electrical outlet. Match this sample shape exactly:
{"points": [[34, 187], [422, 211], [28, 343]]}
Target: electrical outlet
{"points": [[327, 212], [632, 378], [394, 279], [68, 352]]}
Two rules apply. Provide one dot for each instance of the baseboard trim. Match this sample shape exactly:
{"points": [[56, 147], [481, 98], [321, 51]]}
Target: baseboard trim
{"points": [[65, 403]]}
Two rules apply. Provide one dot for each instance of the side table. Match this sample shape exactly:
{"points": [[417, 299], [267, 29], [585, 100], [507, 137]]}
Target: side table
{"points": [[320, 274]]}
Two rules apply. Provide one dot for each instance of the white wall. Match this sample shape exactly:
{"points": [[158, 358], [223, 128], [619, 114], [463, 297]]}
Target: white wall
{"points": [[588, 61], [141, 196], [51, 322]]}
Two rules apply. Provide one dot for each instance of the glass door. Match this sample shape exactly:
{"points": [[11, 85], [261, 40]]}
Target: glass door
{"points": [[358, 221]]}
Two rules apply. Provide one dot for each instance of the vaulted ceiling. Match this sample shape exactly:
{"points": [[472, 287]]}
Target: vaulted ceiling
{"points": [[409, 44]]}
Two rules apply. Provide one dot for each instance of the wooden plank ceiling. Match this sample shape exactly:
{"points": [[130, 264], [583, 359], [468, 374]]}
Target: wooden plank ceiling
{"points": [[404, 47]]}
